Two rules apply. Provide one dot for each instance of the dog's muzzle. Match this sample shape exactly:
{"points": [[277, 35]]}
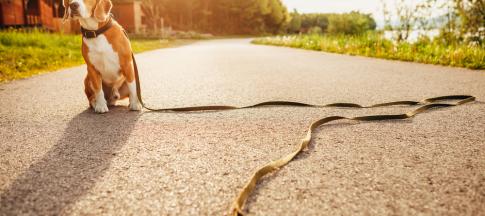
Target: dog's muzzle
{"points": [[74, 9]]}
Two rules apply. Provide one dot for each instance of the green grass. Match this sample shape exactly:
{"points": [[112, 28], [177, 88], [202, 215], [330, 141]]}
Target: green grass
{"points": [[373, 45], [24, 54]]}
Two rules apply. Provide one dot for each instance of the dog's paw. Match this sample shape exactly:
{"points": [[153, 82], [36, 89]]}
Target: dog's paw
{"points": [[100, 107], [112, 102], [135, 107]]}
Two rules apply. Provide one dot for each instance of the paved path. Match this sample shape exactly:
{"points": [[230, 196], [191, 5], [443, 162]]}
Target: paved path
{"points": [[58, 157]]}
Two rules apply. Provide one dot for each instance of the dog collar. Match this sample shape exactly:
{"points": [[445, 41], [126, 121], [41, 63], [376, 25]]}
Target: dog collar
{"points": [[95, 33]]}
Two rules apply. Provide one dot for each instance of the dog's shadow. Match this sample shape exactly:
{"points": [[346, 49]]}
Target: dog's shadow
{"points": [[72, 166]]}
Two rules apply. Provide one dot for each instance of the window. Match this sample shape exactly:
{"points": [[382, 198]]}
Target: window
{"points": [[57, 9]]}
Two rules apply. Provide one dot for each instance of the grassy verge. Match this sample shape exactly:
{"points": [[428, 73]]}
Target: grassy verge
{"points": [[373, 45], [26, 54]]}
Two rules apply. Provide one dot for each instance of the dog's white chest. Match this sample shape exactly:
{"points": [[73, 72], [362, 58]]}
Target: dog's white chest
{"points": [[104, 58]]}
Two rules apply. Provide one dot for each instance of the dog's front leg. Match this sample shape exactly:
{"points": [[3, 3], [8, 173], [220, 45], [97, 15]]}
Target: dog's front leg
{"points": [[129, 72], [134, 102], [98, 102]]}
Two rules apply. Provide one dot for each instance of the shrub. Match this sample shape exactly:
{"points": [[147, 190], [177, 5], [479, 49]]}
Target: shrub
{"points": [[372, 44]]}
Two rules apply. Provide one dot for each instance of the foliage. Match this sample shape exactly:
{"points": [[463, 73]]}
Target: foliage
{"points": [[23, 54], [350, 23], [346, 23], [222, 16], [151, 10], [296, 22], [372, 44], [471, 14], [406, 17], [460, 20], [315, 30]]}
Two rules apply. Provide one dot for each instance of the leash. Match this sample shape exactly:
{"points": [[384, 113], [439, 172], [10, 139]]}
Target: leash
{"points": [[240, 200], [286, 103], [238, 203]]}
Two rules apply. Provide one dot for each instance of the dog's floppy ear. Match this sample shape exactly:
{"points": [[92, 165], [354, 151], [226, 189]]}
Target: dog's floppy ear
{"points": [[102, 10], [65, 4]]}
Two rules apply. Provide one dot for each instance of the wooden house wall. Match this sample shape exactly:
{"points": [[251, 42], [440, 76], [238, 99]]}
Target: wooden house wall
{"points": [[46, 13], [43, 13], [124, 14], [12, 13]]}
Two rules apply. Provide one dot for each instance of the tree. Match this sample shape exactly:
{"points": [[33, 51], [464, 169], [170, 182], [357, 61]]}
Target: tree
{"points": [[471, 14], [223, 16], [346, 23], [461, 21], [151, 9], [295, 22], [405, 17]]}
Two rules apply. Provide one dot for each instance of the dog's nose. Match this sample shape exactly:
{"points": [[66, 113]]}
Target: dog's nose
{"points": [[74, 6]]}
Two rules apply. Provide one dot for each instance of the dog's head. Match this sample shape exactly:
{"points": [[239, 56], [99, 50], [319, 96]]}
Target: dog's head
{"points": [[82, 9]]}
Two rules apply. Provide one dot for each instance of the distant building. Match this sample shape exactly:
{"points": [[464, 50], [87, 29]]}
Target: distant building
{"points": [[129, 14], [48, 14], [40, 13]]}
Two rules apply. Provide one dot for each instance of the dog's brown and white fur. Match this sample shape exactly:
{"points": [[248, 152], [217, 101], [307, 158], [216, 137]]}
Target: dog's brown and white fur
{"points": [[111, 75]]}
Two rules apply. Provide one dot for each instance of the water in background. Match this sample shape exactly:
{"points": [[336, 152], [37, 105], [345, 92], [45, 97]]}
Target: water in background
{"points": [[413, 34]]}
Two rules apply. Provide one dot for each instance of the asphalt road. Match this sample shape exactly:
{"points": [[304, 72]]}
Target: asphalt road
{"points": [[58, 157]]}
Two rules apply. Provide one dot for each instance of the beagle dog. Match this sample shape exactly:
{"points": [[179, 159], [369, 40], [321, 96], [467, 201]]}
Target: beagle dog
{"points": [[107, 53]]}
